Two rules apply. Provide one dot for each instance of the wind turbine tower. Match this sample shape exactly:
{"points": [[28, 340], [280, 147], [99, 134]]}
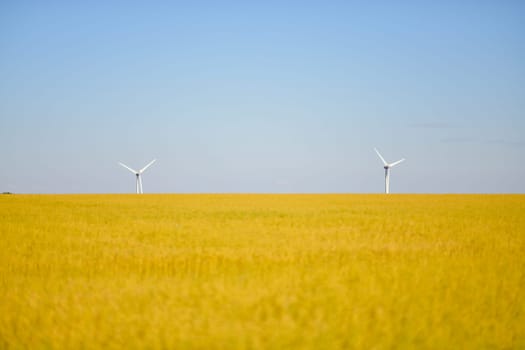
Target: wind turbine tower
{"points": [[387, 167], [138, 175]]}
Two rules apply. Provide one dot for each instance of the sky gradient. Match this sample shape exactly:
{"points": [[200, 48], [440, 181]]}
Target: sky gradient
{"points": [[270, 96]]}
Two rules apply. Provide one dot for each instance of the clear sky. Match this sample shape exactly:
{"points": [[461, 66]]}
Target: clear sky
{"points": [[262, 96]]}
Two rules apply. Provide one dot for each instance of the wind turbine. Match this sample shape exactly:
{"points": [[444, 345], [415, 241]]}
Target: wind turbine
{"points": [[138, 174], [387, 167]]}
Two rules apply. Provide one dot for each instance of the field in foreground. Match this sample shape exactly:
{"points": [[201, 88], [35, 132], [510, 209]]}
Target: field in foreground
{"points": [[262, 271]]}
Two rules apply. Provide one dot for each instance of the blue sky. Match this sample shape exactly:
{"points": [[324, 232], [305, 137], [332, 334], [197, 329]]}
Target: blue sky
{"points": [[267, 96]]}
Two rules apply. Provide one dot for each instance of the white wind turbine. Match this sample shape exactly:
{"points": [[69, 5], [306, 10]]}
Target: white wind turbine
{"points": [[138, 174], [387, 167]]}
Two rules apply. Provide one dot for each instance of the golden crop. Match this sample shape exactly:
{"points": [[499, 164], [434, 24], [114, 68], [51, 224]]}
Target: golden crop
{"points": [[262, 271]]}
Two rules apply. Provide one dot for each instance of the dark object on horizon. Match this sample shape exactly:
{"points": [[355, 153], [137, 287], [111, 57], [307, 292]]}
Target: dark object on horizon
{"points": [[7, 192]]}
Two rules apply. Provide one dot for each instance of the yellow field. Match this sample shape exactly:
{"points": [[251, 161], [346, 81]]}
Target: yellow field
{"points": [[262, 271]]}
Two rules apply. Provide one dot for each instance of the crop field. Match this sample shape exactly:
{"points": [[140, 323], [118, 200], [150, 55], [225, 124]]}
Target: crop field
{"points": [[262, 271]]}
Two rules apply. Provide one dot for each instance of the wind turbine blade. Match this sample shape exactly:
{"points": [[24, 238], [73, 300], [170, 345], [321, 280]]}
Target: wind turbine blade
{"points": [[147, 166], [127, 167], [380, 156], [396, 163]]}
